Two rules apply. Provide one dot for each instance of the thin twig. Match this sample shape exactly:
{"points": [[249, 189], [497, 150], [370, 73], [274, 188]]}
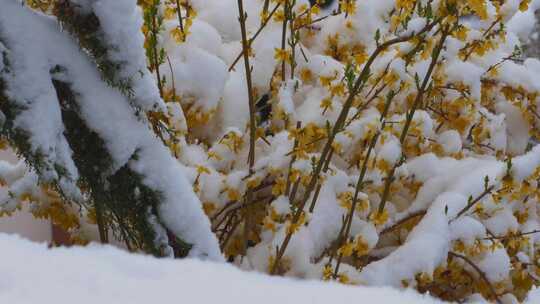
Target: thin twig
{"points": [[487, 191], [263, 25], [360, 182], [403, 221], [410, 115], [480, 272]]}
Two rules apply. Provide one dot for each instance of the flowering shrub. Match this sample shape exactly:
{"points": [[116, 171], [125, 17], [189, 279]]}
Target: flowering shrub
{"points": [[376, 142]]}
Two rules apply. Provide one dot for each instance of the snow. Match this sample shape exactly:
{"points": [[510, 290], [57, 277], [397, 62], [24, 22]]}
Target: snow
{"points": [[496, 265], [120, 23], [534, 296], [391, 151], [31, 273], [524, 166], [19, 181], [432, 234], [190, 66], [472, 78], [450, 141], [467, 229]]}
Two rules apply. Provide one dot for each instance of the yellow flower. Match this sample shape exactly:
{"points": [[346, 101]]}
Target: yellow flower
{"points": [[479, 7], [360, 58], [361, 247], [233, 194], [279, 16], [405, 4], [327, 272], [214, 155], [461, 33], [524, 5], [202, 170], [294, 227], [178, 35], [170, 13], [338, 90], [390, 78], [232, 141], [27, 197], [326, 103], [348, 7], [264, 15], [269, 224], [326, 80], [384, 165], [306, 75], [379, 218], [282, 55], [345, 200], [279, 187], [346, 250], [209, 207], [315, 10], [253, 182], [343, 278]]}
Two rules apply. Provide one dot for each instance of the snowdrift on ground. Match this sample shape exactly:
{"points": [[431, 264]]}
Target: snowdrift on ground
{"points": [[31, 273]]}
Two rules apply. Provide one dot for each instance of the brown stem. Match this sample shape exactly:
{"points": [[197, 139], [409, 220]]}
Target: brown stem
{"points": [[293, 159], [486, 33], [265, 7], [252, 118], [316, 20], [263, 25], [180, 19], [505, 237], [473, 202], [403, 221], [230, 234], [360, 182], [410, 116], [102, 227], [284, 37], [318, 190]]}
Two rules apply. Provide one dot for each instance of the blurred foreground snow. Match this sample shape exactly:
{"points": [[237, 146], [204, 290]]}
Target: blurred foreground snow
{"points": [[31, 273]]}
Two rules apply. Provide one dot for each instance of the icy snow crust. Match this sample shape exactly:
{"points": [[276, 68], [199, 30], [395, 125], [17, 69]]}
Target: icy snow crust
{"points": [[36, 45], [31, 274]]}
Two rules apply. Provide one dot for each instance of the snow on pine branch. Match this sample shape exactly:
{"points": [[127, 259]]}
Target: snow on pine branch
{"points": [[40, 59], [111, 32]]}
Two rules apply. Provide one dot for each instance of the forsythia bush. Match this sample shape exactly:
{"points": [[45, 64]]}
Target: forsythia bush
{"points": [[370, 142]]}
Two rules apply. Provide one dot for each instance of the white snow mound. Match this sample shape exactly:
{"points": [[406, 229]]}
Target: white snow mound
{"points": [[31, 273]]}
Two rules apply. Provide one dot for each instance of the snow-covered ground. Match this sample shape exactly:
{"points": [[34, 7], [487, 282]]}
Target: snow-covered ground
{"points": [[31, 273]]}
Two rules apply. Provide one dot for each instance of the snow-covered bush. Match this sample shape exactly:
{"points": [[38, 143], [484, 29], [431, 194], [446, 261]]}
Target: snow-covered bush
{"points": [[374, 142]]}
